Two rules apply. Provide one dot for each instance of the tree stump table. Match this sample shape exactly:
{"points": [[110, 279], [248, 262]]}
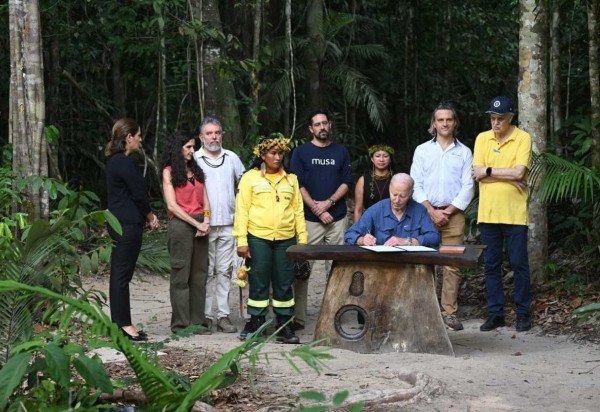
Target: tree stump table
{"points": [[393, 292]]}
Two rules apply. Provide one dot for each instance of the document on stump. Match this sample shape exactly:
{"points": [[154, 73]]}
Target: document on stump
{"points": [[380, 248]]}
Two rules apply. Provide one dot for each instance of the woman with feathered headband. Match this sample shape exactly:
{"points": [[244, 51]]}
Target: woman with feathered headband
{"points": [[374, 185], [269, 218]]}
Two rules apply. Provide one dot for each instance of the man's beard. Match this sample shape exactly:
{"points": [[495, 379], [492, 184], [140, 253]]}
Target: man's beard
{"points": [[213, 147], [322, 135]]}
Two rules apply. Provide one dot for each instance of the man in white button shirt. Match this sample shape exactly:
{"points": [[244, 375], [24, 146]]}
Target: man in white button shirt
{"points": [[441, 169], [222, 169]]}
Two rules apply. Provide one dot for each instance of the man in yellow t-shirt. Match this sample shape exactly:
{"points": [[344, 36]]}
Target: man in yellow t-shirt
{"points": [[501, 160]]}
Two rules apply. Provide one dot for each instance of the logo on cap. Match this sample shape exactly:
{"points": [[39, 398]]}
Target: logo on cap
{"points": [[500, 105]]}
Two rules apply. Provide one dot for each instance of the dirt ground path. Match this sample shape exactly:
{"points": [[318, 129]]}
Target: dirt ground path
{"points": [[493, 371]]}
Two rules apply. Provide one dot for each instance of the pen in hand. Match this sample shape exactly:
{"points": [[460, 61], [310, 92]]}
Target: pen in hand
{"points": [[369, 239]]}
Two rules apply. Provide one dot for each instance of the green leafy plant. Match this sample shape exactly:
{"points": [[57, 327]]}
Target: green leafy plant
{"points": [[161, 392], [46, 366], [582, 136], [557, 179], [44, 255], [31, 259], [588, 309], [154, 256]]}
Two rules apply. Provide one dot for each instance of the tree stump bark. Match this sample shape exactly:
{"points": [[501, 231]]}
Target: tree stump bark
{"points": [[397, 301]]}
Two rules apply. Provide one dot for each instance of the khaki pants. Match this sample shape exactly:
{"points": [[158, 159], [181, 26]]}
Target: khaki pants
{"points": [[189, 267], [318, 233], [453, 233]]}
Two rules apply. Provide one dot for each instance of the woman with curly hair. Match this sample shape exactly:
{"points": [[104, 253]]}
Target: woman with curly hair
{"points": [[189, 212], [374, 185], [269, 218]]}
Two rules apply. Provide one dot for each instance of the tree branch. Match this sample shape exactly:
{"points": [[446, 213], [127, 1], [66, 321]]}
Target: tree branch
{"points": [[80, 89]]}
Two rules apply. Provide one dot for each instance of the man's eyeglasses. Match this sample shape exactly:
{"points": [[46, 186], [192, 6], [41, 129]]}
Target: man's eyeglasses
{"points": [[323, 123]]}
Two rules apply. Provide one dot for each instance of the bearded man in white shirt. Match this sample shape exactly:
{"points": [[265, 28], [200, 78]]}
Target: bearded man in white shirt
{"points": [[441, 169], [222, 170]]}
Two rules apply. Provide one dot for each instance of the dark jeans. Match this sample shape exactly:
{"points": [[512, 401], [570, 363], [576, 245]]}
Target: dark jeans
{"points": [[125, 252], [189, 270], [270, 267], [493, 236]]}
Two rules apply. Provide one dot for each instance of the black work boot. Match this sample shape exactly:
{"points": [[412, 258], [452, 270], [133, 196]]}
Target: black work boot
{"points": [[252, 326], [286, 334], [259, 321]]}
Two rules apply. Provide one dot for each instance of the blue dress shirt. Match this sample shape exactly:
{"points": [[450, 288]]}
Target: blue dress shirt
{"points": [[380, 221]]}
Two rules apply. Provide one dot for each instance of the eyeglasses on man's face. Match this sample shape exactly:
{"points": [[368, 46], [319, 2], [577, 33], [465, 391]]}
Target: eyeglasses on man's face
{"points": [[324, 123]]}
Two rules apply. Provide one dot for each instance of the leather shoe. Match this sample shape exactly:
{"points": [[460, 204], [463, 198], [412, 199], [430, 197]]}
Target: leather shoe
{"points": [[492, 323], [523, 323], [140, 337]]}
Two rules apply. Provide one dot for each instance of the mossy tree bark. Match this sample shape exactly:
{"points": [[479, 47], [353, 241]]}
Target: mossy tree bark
{"points": [[592, 12], [27, 102], [533, 116]]}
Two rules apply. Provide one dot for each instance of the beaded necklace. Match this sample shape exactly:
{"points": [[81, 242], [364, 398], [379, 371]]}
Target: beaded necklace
{"points": [[375, 179], [213, 165]]}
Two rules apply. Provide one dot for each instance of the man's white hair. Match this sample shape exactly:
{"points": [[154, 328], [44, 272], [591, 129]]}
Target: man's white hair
{"points": [[402, 178]]}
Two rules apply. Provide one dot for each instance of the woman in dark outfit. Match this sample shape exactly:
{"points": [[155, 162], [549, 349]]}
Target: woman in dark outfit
{"points": [[374, 185], [127, 201]]}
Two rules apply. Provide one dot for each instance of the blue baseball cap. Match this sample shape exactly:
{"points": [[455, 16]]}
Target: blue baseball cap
{"points": [[501, 105]]}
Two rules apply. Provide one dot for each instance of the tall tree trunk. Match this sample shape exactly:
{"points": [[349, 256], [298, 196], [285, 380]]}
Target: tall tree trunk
{"points": [[27, 108], [289, 67], [592, 12], [254, 82], [161, 98], [314, 24], [555, 84], [533, 115], [218, 94]]}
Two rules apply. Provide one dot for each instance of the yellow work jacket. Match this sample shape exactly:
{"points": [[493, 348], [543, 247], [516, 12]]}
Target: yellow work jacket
{"points": [[269, 207]]}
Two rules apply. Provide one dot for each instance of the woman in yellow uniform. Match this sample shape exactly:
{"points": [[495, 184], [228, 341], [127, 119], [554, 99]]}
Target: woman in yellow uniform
{"points": [[269, 218]]}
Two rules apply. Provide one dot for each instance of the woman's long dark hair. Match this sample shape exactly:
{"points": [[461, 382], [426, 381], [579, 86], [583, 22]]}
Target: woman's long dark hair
{"points": [[172, 157]]}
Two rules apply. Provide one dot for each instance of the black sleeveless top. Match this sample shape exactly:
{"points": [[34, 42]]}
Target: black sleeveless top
{"points": [[375, 190]]}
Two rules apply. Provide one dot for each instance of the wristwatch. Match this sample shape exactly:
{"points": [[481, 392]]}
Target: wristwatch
{"points": [[488, 171], [331, 201]]}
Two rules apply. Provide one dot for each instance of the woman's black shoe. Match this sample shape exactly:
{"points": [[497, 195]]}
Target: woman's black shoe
{"points": [[141, 336]]}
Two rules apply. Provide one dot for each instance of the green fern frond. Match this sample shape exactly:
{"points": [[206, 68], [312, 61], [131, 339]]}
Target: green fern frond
{"points": [[159, 391], [556, 179], [16, 324], [223, 372], [28, 260], [154, 256], [279, 91], [368, 52], [358, 91]]}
